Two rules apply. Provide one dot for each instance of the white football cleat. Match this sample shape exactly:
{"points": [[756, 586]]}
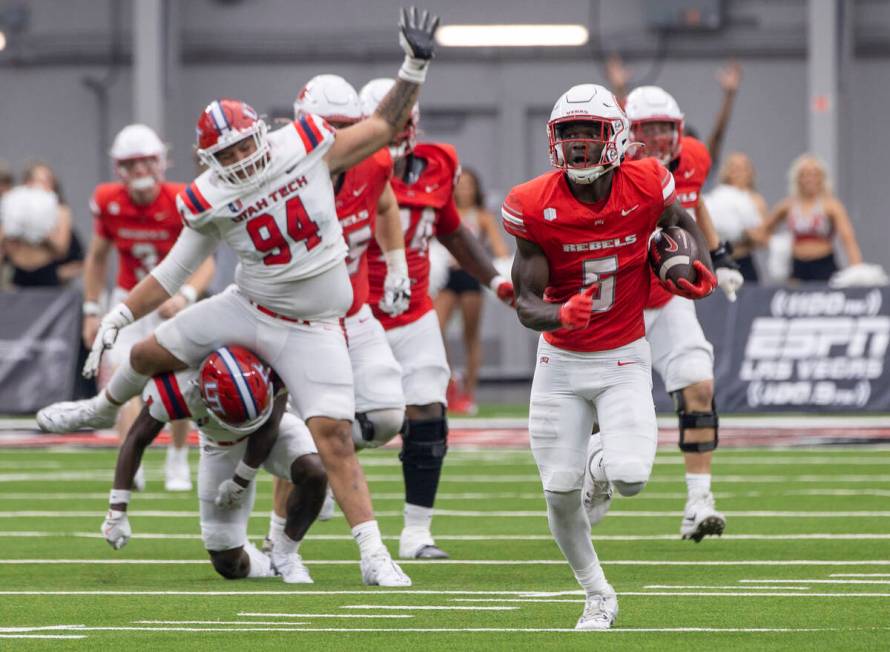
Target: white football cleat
{"points": [[139, 479], [596, 491], [290, 568], [177, 476], [328, 507], [380, 570], [600, 611], [701, 519], [69, 416], [418, 543]]}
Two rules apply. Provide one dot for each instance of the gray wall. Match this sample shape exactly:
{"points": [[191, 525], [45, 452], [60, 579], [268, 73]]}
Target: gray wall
{"points": [[491, 105]]}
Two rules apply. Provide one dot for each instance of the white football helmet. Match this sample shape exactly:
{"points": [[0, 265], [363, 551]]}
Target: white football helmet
{"points": [[371, 95], [138, 141], [594, 104], [651, 105], [331, 97]]}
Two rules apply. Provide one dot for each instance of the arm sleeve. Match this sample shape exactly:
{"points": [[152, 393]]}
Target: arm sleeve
{"points": [[191, 249], [668, 191]]}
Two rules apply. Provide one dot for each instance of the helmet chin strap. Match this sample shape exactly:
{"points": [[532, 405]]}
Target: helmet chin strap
{"points": [[587, 175]]}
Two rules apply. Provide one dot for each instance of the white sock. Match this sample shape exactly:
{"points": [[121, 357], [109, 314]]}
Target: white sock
{"points": [[283, 544], [367, 536], [177, 455], [592, 579], [125, 383], [418, 517], [276, 525], [698, 483], [260, 564]]}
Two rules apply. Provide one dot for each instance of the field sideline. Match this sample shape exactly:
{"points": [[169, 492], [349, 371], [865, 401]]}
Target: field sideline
{"points": [[804, 563]]}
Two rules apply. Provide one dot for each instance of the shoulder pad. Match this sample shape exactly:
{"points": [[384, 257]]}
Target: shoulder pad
{"points": [[197, 201], [165, 396]]}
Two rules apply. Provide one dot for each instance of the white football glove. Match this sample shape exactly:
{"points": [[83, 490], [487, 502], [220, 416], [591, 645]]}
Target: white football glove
{"points": [[230, 494], [397, 285], [116, 529], [729, 280], [109, 327]]}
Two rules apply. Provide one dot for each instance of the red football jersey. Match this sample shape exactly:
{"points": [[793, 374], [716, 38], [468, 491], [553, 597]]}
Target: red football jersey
{"points": [[605, 243], [427, 208], [142, 235], [357, 211], [690, 171]]}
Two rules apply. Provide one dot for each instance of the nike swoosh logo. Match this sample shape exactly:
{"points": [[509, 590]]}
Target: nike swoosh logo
{"points": [[624, 364], [358, 191], [291, 169], [691, 519], [626, 212], [688, 174]]}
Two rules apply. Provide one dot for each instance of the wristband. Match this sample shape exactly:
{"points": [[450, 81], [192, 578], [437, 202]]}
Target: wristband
{"points": [[495, 283], [245, 472], [413, 70], [189, 293], [92, 309], [396, 262], [118, 496]]}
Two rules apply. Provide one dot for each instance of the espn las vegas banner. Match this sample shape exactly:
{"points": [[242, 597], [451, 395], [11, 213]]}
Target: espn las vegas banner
{"points": [[812, 349], [39, 345]]}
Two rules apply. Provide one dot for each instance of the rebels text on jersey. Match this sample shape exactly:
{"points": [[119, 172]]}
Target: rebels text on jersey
{"points": [[142, 235], [427, 209], [357, 210], [284, 230], [690, 170], [605, 243]]}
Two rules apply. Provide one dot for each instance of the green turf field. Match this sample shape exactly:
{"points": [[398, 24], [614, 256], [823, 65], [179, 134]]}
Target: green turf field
{"points": [[805, 563]]}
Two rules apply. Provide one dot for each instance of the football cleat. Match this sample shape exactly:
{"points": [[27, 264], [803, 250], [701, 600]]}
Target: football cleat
{"points": [[290, 568], [266, 549], [417, 543], [177, 476], [600, 611], [596, 492], [69, 416], [701, 519], [380, 570], [139, 479], [328, 507]]}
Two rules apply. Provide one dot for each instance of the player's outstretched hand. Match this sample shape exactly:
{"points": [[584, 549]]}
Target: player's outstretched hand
{"points": [[417, 30], [704, 284], [230, 494], [575, 313], [396, 293], [116, 529], [109, 327], [729, 276]]}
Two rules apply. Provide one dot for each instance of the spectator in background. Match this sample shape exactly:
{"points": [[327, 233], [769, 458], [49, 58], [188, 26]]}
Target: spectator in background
{"points": [[7, 181], [815, 216], [738, 211], [463, 291]]}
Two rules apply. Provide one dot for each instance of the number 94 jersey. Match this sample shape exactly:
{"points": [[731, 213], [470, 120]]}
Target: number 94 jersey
{"points": [[284, 230], [605, 243]]}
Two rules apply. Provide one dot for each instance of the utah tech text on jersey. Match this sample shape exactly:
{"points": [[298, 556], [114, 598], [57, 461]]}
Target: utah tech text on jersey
{"points": [[262, 204]]}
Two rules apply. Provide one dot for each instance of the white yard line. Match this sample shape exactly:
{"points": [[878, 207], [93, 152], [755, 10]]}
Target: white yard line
{"points": [[40, 636], [731, 587], [423, 608], [812, 581], [218, 622], [688, 594], [457, 562], [860, 575], [265, 615]]}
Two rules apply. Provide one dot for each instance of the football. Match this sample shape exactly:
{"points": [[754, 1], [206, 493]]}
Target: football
{"points": [[671, 254]]}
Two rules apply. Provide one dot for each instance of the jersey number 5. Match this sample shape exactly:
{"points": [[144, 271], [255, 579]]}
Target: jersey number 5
{"points": [[601, 270], [268, 239]]}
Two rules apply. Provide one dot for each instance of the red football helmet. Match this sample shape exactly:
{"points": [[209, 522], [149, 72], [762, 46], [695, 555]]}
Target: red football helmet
{"points": [[223, 124], [236, 388]]}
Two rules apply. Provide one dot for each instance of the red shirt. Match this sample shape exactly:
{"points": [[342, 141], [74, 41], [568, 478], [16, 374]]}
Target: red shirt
{"points": [[690, 171], [586, 243], [142, 235], [427, 208], [357, 212]]}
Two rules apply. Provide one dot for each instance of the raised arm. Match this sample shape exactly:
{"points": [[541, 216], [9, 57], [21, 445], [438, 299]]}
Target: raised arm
{"points": [[354, 144], [730, 76]]}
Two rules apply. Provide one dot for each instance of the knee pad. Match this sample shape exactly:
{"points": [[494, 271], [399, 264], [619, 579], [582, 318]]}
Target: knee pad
{"points": [[425, 442], [628, 488], [692, 419], [376, 427], [563, 502]]}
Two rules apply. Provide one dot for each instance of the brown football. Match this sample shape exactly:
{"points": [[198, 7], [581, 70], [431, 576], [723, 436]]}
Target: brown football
{"points": [[671, 254]]}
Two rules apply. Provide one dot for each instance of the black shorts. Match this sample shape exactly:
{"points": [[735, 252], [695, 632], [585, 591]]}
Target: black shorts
{"points": [[818, 269], [460, 281]]}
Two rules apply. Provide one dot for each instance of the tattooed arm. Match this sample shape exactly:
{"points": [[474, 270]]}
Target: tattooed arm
{"points": [[355, 143]]}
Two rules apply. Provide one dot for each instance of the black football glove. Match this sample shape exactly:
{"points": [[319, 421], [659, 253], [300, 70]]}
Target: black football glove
{"points": [[416, 33], [729, 278]]}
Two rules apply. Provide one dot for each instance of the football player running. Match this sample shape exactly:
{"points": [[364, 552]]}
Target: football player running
{"points": [[582, 279], [367, 209], [137, 217], [423, 180], [680, 353], [239, 407], [270, 198]]}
